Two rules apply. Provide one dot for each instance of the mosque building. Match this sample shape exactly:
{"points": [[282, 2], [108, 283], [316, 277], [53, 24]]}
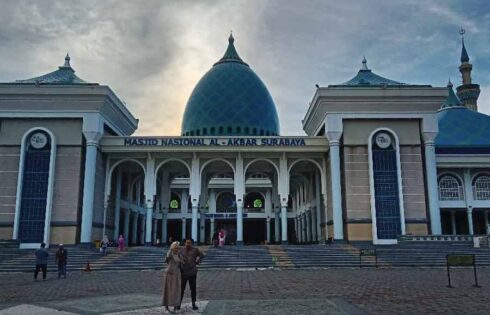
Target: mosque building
{"points": [[381, 160]]}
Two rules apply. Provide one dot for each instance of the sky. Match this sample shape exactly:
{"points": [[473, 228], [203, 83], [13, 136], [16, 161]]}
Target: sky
{"points": [[152, 53]]}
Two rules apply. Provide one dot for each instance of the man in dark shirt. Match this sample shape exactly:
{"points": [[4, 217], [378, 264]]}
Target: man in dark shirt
{"points": [[192, 257], [41, 261], [61, 260]]}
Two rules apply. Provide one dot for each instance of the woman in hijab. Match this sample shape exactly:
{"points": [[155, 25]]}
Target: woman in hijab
{"points": [[172, 287]]}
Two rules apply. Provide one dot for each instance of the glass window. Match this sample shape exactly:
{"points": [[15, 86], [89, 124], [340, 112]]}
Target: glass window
{"points": [[450, 188], [481, 187]]}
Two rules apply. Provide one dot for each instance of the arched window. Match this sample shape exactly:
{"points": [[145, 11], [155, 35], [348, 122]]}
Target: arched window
{"points": [[212, 130], [36, 177], [192, 133], [254, 202], [255, 131], [198, 132], [230, 130], [238, 130], [261, 132], [247, 131], [204, 132], [450, 188], [220, 130], [386, 185], [226, 202], [481, 187]]}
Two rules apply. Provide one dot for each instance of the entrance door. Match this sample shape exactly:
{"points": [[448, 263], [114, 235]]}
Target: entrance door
{"points": [[254, 231]]}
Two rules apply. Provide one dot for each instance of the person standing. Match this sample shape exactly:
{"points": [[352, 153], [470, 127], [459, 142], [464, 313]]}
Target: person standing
{"points": [[41, 261], [103, 245], [172, 286], [221, 238], [192, 257], [120, 242], [61, 260]]}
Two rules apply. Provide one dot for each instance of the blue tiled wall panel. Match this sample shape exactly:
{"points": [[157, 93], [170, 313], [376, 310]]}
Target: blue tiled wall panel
{"points": [[34, 194], [386, 193]]}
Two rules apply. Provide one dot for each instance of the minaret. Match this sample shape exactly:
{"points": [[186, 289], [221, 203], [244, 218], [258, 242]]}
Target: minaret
{"points": [[467, 92]]}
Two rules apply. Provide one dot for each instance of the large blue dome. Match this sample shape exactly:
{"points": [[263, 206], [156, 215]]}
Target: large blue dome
{"points": [[230, 99]]}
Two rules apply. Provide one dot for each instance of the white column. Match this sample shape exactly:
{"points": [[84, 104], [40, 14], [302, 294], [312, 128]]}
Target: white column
{"points": [[184, 202], [150, 192], [134, 233], [149, 221], [296, 227], [239, 224], [338, 228], [117, 204], [468, 191], [268, 236], [92, 140], [184, 229], [127, 213], [277, 230], [212, 209], [202, 229], [314, 235], [194, 221], [268, 203], [163, 237], [239, 188], [300, 228], [469, 213], [303, 230], [432, 190], [487, 224], [154, 231], [211, 228], [142, 230], [308, 226], [284, 220], [318, 203], [453, 222]]}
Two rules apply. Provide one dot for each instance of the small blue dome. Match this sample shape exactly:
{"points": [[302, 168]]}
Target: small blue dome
{"points": [[230, 99]]}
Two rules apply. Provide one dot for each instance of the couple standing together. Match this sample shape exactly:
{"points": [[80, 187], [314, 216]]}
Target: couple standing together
{"points": [[182, 268]]}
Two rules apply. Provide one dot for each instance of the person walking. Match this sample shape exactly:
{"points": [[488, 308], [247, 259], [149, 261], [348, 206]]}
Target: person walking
{"points": [[192, 257], [172, 286], [41, 261], [61, 260], [120, 243]]}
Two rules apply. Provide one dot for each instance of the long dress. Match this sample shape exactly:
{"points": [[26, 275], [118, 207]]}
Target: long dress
{"points": [[171, 289]]}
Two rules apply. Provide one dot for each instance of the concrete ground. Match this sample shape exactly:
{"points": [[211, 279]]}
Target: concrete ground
{"points": [[305, 291]]}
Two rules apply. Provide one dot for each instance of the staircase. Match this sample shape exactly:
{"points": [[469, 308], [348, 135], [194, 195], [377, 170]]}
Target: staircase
{"points": [[412, 254]]}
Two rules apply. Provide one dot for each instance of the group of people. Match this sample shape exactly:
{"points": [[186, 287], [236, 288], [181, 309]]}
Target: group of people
{"points": [[181, 268], [42, 256]]}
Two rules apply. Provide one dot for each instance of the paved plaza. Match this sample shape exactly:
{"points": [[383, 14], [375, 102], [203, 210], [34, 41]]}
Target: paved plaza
{"points": [[288, 291]]}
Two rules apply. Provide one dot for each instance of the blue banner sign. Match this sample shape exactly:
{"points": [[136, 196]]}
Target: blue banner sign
{"points": [[193, 141], [222, 215]]}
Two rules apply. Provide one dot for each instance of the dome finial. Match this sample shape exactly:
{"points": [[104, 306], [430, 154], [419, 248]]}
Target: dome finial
{"points": [[67, 60], [364, 63], [449, 83], [231, 54], [464, 53]]}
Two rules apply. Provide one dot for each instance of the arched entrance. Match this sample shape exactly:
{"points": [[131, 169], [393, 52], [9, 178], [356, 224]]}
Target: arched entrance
{"points": [[218, 201]]}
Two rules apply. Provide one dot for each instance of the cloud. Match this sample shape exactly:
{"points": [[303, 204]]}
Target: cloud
{"points": [[152, 53]]}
